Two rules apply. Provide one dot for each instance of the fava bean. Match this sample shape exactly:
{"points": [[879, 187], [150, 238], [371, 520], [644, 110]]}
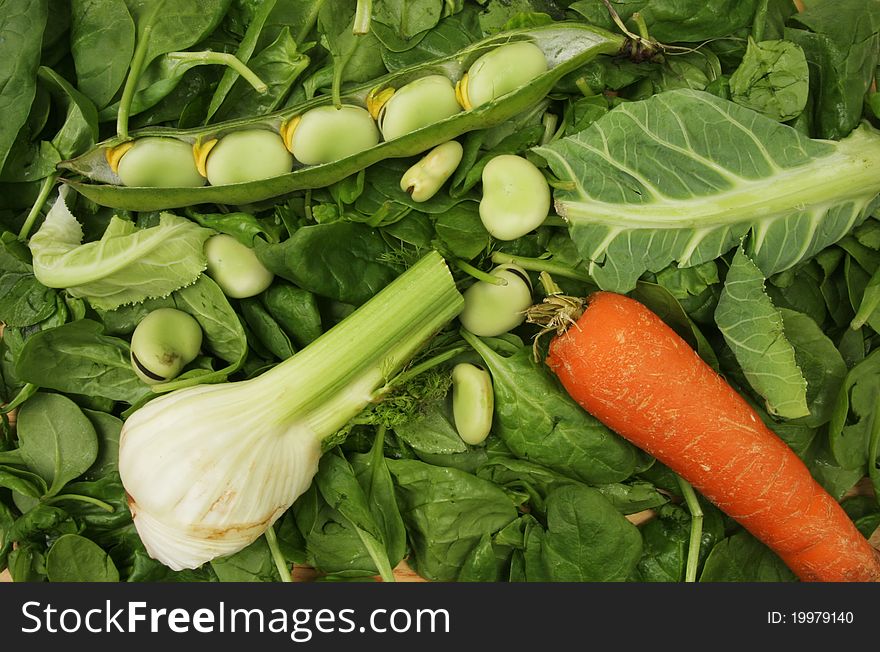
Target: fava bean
{"points": [[235, 267], [491, 309], [516, 197], [163, 343], [423, 102], [499, 72], [241, 156], [326, 134], [473, 402], [155, 162], [425, 178]]}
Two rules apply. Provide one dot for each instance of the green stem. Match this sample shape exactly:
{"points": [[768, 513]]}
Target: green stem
{"points": [[24, 394], [541, 265], [309, 24], [36, 209], [11, 457], [80, 498], [430, 363], [362, 17], [277, 557], [478, 274], [208, 57], [696, 536], [134, 75]]}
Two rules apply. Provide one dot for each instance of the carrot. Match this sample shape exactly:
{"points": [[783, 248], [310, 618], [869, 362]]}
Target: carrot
{"points": [[635, 374]]}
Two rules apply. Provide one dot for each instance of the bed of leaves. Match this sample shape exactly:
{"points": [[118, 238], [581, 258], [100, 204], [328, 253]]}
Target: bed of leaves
{"points": [[545, 498]]}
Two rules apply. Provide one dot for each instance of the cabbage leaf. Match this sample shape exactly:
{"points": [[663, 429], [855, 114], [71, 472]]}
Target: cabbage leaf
{"points": [[127, 265], [684, 176]]}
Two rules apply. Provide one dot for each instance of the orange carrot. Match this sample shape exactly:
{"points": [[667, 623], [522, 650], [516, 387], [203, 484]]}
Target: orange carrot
{"points": [[636, 375]]}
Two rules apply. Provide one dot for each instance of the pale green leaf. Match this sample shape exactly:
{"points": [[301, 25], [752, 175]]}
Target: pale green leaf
{"points": [[127, 265], [753, 328]]}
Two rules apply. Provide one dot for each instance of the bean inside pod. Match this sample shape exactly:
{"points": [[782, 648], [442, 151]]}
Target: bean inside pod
{"points": [[499, 72], [155, 162], [423, 102], [242, 156], [326, 134]]}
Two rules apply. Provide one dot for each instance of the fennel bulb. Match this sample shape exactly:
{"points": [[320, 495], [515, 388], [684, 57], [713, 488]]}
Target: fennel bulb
{"points": [[209, 468]]}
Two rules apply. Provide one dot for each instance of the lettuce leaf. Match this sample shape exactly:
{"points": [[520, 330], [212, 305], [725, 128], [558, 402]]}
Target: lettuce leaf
{"points": [[127, 265], [683, 176]]}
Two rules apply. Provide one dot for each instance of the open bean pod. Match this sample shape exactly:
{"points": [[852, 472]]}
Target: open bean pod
{"points": [[566, 47]]}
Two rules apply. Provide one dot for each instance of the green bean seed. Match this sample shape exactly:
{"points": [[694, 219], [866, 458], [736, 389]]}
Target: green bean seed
{"points": [[156, 162], [425, 178], [326, 134], [491, 309], [516, 197], [163, 343], [235, 267], [423, 102], [473, 402], [501, 71], [248, 155]]}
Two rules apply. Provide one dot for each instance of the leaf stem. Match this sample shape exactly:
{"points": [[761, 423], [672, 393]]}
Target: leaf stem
{"points": [[541, 265], [209, 57], [478, 274], [107, 507], [430, 363], [277, 557], [45, 189], [696, 535], [11, 457], [131, 83], [24, 394], [362, 17]]}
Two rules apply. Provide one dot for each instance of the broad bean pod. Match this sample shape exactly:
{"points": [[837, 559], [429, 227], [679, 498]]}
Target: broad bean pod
{"points": [[566, 46]]}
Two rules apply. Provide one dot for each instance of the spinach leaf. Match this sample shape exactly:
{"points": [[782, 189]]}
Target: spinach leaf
{"points": [[24, 301], [73, 558], [341, 261], [101, 42], [451, 34], [400, 24], [253, 564], [675, 20], [174, 25], [22, 482], [339, 487], [446, 512], [57, 440], [586, 540], [773, 79], [107, 428], [742, 558], [753, 328], [539, 422], [374, 477], [855, 414], [22, 25], [266, 329], [843, 46], [431, 430], [461, 231], [92, 363], [295, 310]]}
